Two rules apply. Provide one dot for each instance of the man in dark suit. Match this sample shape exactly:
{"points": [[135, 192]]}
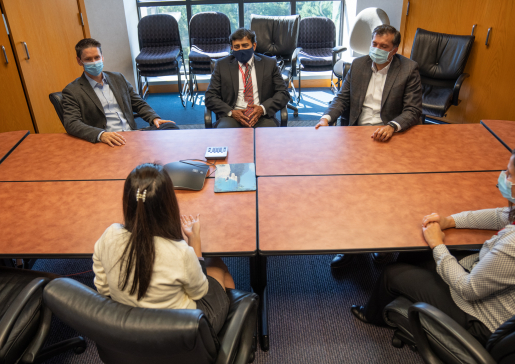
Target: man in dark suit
{"points": [[246, 89], [99, 104], [382, 89]]}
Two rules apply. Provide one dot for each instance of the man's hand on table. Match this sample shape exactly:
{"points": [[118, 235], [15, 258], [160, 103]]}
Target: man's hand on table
{"points": [[112, 139], [433, 234], [383, 133], [322, 122], [158, 122], [445, 222], [241, 117]]}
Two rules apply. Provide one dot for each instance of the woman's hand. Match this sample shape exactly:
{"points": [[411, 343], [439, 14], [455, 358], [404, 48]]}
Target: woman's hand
{"points": [[433, 234], [444, 222], [190, 226]]}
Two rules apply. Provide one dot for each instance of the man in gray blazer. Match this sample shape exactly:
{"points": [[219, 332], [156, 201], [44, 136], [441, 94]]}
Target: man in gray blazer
{"points": [[246, 89], [99, 104], [382, 88]]}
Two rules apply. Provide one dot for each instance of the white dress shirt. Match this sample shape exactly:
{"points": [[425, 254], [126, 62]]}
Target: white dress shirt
{"points": [[241, 104], [371, 109]]}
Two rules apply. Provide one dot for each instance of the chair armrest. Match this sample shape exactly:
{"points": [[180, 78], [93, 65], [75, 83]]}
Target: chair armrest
{"points": [[238, 331], [11, 315], [336, 51], [208, 119], [31, 353], [452, 329], [284, 117], [295, 60], [457, 87]]}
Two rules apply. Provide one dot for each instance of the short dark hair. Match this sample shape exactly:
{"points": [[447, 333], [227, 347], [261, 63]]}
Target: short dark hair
{"points": [[87, 43], [243, 33], [388, 29]]}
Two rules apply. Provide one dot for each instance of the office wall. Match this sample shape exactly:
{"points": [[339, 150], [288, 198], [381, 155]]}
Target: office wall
{"points": [[114, 23]]}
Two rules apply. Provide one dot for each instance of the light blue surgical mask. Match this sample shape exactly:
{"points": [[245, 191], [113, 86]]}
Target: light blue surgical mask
{"points": [[505, 187], [378, 55], [94, 68]]}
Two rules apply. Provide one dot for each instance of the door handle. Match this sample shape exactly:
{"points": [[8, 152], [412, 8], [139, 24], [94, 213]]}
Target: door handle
{"points": [[473, 29], [26, 50], [488, 36], [5, 55]]}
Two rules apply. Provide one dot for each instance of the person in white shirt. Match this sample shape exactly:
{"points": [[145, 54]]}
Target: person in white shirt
{"points": [[147, 263]]}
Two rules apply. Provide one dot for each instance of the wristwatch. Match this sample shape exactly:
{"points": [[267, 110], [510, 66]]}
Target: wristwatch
{"points": [[392, 125]]}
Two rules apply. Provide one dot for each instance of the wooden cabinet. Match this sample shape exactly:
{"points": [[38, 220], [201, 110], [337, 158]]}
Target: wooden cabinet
{"points": [[487, 93], [43, 35]]}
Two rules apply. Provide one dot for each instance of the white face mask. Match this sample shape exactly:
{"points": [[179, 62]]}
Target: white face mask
{"points": [[378, 55]]}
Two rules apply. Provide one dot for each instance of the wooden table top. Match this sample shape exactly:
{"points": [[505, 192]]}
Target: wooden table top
{"points": [[504, 129], [9, 140], [65, 219], [303, 215], [48, 157], [350, 150]]}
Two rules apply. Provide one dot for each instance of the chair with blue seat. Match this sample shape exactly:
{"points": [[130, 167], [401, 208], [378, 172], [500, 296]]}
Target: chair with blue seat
{"points": [[161, 51], [209, 39]]}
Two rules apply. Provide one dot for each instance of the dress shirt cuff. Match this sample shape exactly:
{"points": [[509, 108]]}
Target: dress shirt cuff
{"points": [[328, 117], [100, 134], [229, 113], [440, 252], [264, 110], [398, 126], [460, 220]]}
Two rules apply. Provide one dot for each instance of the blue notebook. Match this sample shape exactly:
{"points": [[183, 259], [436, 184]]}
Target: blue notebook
{"points": [[235, 177]]}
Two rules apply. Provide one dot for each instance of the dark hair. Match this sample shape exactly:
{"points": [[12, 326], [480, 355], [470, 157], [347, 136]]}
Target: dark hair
{"points": [[87, 43], [158, 215], [511, 216], [388, 29], [243, 33]]}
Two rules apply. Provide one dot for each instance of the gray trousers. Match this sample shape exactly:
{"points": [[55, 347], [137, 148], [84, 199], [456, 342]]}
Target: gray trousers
{"points": [[229, 122]]}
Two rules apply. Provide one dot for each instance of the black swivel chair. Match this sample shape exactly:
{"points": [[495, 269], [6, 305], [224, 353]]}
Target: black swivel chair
{"points": [[439, 339], [277, 36], [25, 321], [130, 335], [209, 39], [441, 59], [161, 51], [317, 39], [56, 98]]}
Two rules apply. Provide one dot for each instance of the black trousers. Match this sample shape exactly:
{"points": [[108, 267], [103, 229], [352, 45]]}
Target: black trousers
{"points": [[165, 126], [229, 122], [414, 277]]}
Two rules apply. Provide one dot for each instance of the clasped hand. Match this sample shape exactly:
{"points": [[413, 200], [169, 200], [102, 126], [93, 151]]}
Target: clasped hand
{"points": [[250, 120], [432, 226]]}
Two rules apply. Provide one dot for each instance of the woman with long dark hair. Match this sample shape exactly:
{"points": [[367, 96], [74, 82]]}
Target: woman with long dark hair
{"points": [[147, 263], [476, 290]]}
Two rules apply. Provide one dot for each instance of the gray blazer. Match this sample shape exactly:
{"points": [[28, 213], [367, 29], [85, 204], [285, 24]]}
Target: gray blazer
{"points": [[402, 93], [83, 112], [222, 92]]}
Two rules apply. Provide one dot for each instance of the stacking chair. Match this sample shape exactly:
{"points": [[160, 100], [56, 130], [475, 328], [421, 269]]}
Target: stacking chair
{"points": [[277, 36], [209, 39], [132, 335], [317, 40], [25, 321], [439, 339], [441, 59], [161, 51]]}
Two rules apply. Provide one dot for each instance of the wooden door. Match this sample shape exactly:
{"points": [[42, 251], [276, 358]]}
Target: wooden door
{"points": [[50, 29], [14, 111]]}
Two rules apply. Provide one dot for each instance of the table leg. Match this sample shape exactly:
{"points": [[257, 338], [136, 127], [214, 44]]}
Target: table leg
{"points": [[258, 281]]}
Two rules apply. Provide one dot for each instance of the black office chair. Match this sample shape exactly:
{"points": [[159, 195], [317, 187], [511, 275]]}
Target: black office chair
{"points": [[209, 39], [161, 51], [56, 98], [208, 115], [317, 39], [24, 320], [277, 36], [130, 335], [441, 59], [439, 339]]}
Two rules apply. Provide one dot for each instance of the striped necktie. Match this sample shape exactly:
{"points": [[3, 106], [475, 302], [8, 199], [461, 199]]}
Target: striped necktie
{"points": [[248, 94]]}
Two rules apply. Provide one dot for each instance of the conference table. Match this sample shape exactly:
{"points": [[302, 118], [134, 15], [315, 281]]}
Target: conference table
{"points": [[503, 130], [9, 141], [318, 191]]}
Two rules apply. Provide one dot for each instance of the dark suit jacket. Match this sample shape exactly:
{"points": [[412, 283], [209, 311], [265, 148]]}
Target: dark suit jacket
{"points": [[402, 93], [222, 92], [83, 112]]}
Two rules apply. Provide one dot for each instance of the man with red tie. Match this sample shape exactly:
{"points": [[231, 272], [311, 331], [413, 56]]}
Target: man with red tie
{"points": [[246, 89]]}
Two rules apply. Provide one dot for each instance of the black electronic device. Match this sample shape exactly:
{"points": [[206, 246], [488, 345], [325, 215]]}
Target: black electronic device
{"points": [[187, 175]]}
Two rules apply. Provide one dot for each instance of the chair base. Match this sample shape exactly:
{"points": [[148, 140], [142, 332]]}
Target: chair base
{"points": [[77, 344], [399, 339]]}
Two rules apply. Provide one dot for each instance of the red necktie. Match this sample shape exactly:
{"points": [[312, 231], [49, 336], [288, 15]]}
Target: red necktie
{"points": [[248, 94]]}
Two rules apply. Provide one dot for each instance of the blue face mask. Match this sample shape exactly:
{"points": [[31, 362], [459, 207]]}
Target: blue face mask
{"points": [[94, 68], [378, 55], [243, 55], [505, 187]]}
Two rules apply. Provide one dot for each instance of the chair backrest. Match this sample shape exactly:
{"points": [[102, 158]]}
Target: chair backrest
{"points": [[158, 30], [441, 56], [56, 98], [125, 334], [209, 28], [501, 344], [317, 32], [276, 35], [367, 20]]}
